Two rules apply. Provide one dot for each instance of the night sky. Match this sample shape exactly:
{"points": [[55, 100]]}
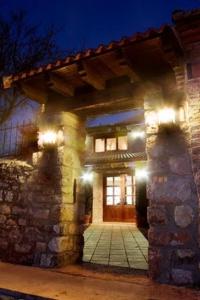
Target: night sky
{"points": [[87, 23]]}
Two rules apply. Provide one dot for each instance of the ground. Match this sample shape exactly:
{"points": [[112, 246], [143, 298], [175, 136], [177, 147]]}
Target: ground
{"points": [[79, 283], [114, 267]]}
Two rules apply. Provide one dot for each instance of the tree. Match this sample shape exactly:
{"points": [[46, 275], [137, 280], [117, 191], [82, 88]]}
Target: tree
{"points": [[23, 45]]}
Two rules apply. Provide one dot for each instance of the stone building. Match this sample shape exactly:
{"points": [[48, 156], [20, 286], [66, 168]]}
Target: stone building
{"points": [[42, 205]]}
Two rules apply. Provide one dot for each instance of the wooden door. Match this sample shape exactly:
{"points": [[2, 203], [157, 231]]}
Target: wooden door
{"points": [[119, 198]]}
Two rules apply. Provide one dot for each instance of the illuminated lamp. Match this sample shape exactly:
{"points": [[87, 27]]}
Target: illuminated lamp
{"points": [[138, 134], [166, 115], [87, 177], [49, 138], [141, 174]]}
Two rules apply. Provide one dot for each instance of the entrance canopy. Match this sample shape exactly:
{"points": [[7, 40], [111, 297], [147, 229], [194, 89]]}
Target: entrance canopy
{"points": [[106, 79]]}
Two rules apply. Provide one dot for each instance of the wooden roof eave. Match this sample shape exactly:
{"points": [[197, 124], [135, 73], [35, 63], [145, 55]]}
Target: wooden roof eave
{"points": [[31, 81]]}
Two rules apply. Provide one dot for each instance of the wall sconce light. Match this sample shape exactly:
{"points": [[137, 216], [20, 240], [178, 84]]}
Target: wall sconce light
{"points": [[141, 174], [166, 115], [87, 177], [137, 134], [50, 137]]}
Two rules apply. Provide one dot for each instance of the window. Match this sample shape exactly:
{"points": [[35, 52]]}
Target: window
{"points": [[122, 143], [120, 190], [129, 189], [99, 145], [113, 190], [111, 144]]}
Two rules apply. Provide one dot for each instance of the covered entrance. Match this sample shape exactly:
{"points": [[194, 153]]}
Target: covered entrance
{"points": [[119, 198]]}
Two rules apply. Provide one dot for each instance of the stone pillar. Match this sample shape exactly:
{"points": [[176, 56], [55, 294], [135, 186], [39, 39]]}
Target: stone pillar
{"points": [[56, 198], [193, 97], [97, 216], [173, 208]]}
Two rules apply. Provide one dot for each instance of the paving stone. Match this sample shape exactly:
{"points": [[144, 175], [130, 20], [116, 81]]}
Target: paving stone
{"points": [[117, 246], [119, 264]]}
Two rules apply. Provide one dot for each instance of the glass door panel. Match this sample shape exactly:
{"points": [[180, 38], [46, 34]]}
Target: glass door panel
{"points": [[129, 190], [113, 190]]}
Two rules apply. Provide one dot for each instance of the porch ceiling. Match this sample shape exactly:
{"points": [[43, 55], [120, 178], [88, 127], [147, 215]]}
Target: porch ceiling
{"points": [[108, 77]]}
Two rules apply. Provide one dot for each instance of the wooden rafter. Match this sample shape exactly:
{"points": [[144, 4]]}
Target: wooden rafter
{"points": [[127, 65], [89, 75], [34, 92], [59, 85]]}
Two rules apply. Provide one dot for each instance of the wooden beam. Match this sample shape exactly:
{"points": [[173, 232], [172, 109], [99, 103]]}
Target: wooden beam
{"points": [[58, 84], [117, 98], [120, 91], [109, 107], [33, 92], [90, 75], [127, 65]]}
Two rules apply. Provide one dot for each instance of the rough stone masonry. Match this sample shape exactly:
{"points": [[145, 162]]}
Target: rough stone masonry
{"points": [[40, 205]]}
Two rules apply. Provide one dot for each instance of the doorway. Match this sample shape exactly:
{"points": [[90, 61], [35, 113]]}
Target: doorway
{"points": [[119, 198]]}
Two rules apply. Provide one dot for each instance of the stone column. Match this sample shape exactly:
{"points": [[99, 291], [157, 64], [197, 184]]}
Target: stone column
{"points": [[97, 216], [193, 97], [173, 208], [56, 197]]}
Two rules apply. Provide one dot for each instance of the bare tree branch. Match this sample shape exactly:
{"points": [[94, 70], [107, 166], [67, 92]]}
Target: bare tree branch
{"points": [[23, 46]]}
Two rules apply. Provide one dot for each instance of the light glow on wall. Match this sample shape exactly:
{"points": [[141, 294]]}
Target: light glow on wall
{"points": [[50, 138], [152, 118], [166, 115], [87, 177], [137, 134], [141, 174]]}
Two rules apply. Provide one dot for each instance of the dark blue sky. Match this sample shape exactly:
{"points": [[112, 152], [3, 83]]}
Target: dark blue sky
{"points": [[87, 23]]}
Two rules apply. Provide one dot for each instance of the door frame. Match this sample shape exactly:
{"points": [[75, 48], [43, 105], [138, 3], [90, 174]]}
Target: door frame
{"points": [[122, 197]]}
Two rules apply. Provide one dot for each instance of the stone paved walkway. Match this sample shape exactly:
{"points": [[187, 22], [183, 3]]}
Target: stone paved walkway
{"points": [[116, 244]]}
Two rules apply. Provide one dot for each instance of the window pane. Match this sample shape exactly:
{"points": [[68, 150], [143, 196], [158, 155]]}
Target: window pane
{"points": [[109, 180], [128, 180], [122, 143], [129, 190], [99, 145], [129, 200], [109, 200], [111, 144], [116, 200], [109, 191], [117, 191], [117, 181]]}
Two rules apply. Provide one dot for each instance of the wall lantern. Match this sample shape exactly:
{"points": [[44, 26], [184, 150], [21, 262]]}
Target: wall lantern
{"points": [[166, 115], [87, 177], [137, 134], [141, 174], [50, 138]]}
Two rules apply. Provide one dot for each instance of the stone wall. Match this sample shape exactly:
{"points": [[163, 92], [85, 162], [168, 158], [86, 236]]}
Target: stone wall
{"points": [[97, 214], [173, 210], [41, 207], [193, 93]]}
